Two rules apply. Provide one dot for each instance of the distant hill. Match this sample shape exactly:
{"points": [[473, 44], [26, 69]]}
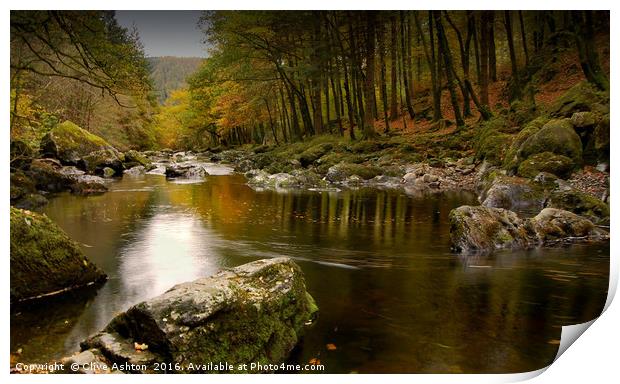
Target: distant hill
{"points": [[169, 73]]}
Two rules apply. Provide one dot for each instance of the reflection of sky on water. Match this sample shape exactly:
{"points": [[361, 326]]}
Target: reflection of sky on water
{"points": [[173, 247]]}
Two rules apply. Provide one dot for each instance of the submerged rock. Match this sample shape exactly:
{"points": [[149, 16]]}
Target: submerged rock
{"points": [[252, 313], [44, 261], [483, 229]]}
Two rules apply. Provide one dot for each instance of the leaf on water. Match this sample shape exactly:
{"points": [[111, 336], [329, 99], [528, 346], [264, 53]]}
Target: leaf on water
{"points": [[331, 347], [140, 347], [314, 361], [554, 342]]}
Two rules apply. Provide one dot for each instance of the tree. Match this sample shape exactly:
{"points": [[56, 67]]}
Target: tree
{"points": [[583, 25]]}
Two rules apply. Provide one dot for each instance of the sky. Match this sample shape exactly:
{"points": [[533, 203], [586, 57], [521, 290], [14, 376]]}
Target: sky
{"points": [[166, 33]]}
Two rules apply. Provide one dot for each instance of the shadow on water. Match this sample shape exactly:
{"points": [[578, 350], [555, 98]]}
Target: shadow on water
{"points": [[392, 296]]}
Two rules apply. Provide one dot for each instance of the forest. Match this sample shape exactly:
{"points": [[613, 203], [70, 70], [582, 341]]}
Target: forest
{"points": [[336, 191]]}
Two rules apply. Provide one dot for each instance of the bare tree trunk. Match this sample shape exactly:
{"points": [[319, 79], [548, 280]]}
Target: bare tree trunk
{"points": [[393, 71], [449, 68], [369, 84], [524, 39], [383, 80]]}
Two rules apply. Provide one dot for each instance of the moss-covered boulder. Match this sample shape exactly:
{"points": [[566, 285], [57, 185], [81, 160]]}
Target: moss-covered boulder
{"points": [[134, 158], [513, 158], [47, 176], [602, 139], [492, 142], [44, 261], [580, 98], [553, 225], [484, 229], [342, 171], [556, 136], [253, 313], [95, 162], [580, 203], [312, 154], [549, 162], [69, 143], [23, 192]]}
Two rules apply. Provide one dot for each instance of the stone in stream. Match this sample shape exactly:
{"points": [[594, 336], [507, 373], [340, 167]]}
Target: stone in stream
{"points": [[73, 145], [483, 229], [44, 261], [252, 313]]}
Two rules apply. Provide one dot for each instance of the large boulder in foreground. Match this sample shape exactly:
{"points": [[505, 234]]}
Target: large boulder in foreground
{"points": [[44, 261], [252, 313], [483, 229]]}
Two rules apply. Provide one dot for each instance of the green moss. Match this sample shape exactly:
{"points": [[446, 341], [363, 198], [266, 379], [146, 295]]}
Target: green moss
{"points": [[581, 204], [68, 143], [579, 98], [134, 158], [556, 136], [44, 259], [312, 154], [513, 158], [558, 165]]}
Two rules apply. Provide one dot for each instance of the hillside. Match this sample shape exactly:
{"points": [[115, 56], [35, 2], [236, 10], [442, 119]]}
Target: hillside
{"points": [[169, 73]]}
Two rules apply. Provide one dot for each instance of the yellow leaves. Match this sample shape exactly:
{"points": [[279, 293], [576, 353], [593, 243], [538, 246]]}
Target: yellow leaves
{"points": [[554, 342], [331, 347], [140, 347], [314, 361]]}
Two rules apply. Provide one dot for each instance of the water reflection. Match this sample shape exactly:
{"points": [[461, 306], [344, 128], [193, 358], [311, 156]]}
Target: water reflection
{"points": [[392, 296]]}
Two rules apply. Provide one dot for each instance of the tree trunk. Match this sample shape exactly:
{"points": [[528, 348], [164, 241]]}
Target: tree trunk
{"points": [[393, 72], [524, 39], [406, 63], [484, 58], [383, 80], [449, 68], [516, 84], [492, 54], [588, 57], [369, 84]]}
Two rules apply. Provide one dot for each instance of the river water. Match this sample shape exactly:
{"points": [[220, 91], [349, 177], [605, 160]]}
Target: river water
{"points": [[392, 296]]}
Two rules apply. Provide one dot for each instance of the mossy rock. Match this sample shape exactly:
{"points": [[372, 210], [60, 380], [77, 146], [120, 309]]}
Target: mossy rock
{"points": [[512, 158], [581, 204], [558, 165], [312, 154], [69, 143], [341, 172], [602, 139], [493, 146], [44, 261], [134, 158], [579, 98], [47, 176], [95, 162], [556, 136], [256, 312]]}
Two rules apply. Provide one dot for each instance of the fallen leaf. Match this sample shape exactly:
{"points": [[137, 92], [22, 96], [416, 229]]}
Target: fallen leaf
{"points": [[554, 342], [140, 347], [315, 361], [331, 347]]}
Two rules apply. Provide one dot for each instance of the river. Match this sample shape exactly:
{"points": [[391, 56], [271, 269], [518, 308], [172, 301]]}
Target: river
{"points": [[392, 297]]}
